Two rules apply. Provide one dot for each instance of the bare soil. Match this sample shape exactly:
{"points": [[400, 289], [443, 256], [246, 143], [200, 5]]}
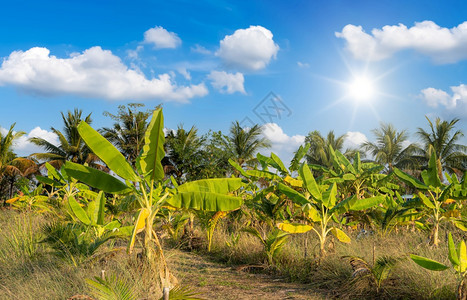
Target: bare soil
{"points": [[217, 281]]}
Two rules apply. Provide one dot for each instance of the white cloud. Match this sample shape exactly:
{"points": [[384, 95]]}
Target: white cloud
{"points": [[200, 49], [161, 38], [302, 65], [133, 54], [281, 144], [227, 82], [455, 103], [354, 139], [184, 72], [443, 45], [250, 49], [23, 147], [95, 73]]}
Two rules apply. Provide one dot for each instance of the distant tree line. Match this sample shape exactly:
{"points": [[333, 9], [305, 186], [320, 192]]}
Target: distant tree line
{"points": [[191, 156]]}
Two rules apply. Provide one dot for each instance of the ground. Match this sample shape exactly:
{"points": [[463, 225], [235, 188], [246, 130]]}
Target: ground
{"points": [[218, 281]]}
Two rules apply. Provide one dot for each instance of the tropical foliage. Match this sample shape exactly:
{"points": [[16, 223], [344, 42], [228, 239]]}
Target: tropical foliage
{"points": [[158, 188]]}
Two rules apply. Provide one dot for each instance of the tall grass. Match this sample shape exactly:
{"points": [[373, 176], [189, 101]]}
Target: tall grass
{"points": [[333, 275], [30, 270]]}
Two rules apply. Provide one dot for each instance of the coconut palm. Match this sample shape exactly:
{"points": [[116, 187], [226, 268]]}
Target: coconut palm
{"points": [[242, 144], [71, 146], [443, 139], [11, 166], [127, 133], [390, 148], [185, 152], [319, 153]]}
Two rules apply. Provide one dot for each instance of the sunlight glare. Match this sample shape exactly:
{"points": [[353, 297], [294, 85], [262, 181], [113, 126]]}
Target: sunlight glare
{"points": [[361, 89]]}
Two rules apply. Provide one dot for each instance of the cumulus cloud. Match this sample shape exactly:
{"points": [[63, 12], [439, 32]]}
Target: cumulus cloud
{"points": [[354, 139], [200, 49], [95, 73], [281, 144], [23, 147], [443, 45], [455, 103], [161, 38], [184, 72], [249, 49], [227, 82], [134, 54]]}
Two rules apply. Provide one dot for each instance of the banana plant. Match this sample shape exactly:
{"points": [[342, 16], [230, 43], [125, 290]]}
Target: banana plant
{"points": [[377, 273], [319, 205], [437, 199], [94, 217], [30, 200], [265, 200], [208, 221], [458, 258], [273, 242], [60, 187], [174, 222], [147, 187]]}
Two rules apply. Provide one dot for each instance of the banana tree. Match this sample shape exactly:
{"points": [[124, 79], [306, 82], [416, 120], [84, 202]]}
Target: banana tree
{"points": [[458, 258], [94, 217], [273, 242], [319, 205], [268, 204], [437, 199], [147, 187]]}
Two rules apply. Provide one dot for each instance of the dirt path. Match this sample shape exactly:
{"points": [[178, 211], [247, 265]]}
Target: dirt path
{"points": [[216, 281]]}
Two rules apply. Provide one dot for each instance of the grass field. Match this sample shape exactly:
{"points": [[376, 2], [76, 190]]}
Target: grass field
{"points": [[31, 270]]}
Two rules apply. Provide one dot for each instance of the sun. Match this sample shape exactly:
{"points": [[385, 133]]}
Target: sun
{"points": [[361, 89]]}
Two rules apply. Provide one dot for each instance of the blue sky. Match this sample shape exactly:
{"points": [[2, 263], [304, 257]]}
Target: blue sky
{"points": [[213, 62]]}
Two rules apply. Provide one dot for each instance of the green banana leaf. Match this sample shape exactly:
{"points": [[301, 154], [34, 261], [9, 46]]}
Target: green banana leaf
{"points": [[262, 174], [214, 185], [329, 196], [48, 181], [293, 195], [366, 203], [427, 263], [279, 164], [78, 211], [453, 257], [153, 152], [425, 200], [412, 181], [96, 178], [107, 152], [205, 201], [295, 163], [430, 176], [238, 168], [53, 172], [309, 181]]}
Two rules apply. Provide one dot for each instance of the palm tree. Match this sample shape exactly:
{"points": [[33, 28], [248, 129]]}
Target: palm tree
{"points": [[184, 152], [442, 139], [11, 166], [242, 144], [127, 133], [319, 153], [71, 147], [390, 150]]}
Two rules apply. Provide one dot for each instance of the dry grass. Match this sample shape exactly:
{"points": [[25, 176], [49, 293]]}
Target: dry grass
{"points": [[29, 270]]}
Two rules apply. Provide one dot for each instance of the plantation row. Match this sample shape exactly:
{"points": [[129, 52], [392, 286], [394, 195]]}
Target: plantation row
{"points": [[93, 213]]}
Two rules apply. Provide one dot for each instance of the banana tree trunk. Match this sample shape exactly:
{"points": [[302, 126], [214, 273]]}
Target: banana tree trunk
{"points": [[435, 235], [462, 290]]}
